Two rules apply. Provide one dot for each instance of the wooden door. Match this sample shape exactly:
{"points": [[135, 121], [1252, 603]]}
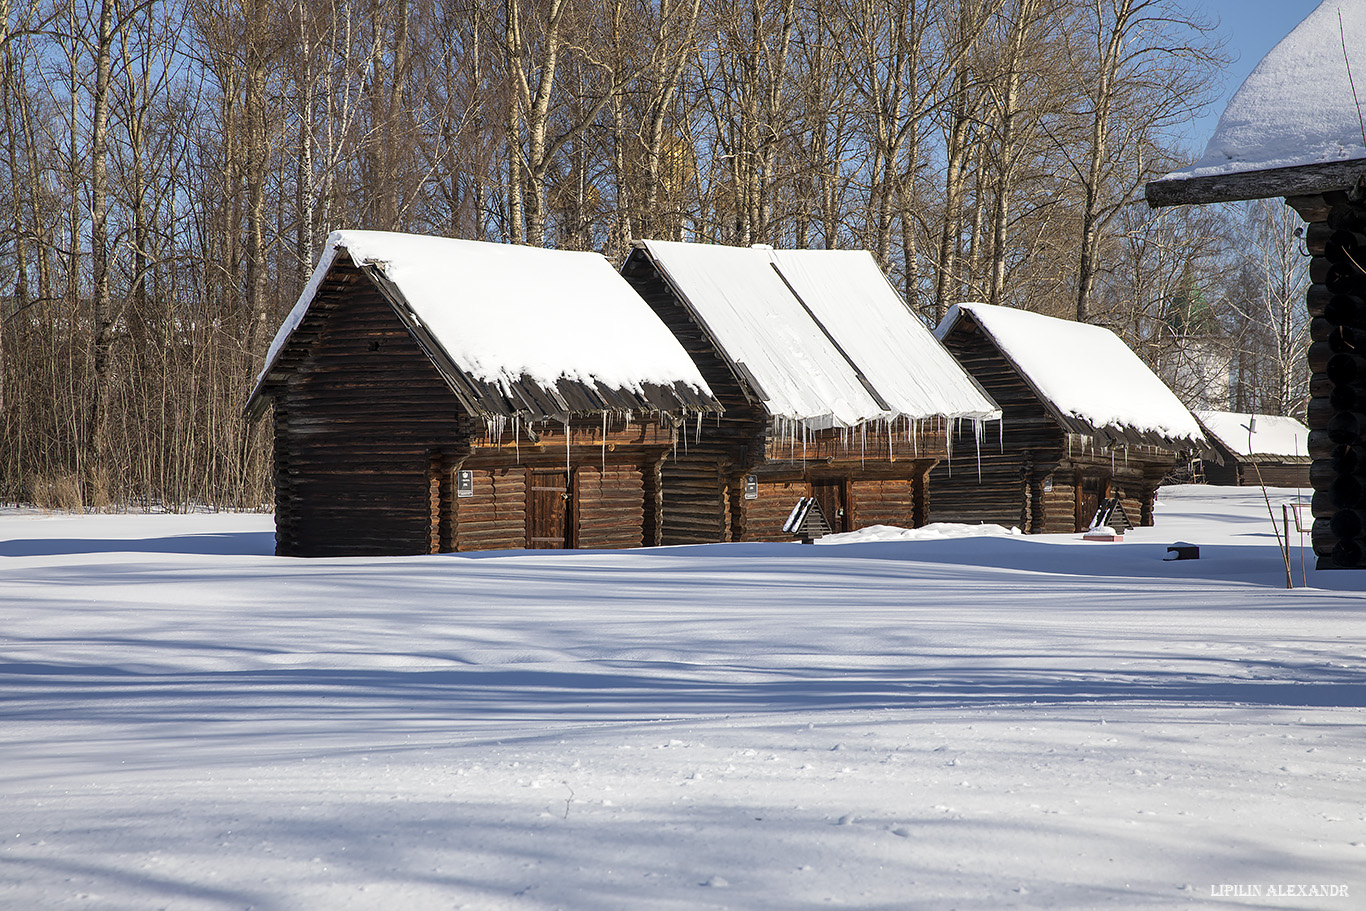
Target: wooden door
{"points": [[1090, 492], [548, 510], [830, 493]]}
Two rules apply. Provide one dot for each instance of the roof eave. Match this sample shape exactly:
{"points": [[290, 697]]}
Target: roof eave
{"points": [[1277, 457], [1267, 183], [1113, 435]]}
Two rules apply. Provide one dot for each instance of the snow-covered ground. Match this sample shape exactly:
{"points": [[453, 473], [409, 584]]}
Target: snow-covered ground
{"points": [[977, 722]]}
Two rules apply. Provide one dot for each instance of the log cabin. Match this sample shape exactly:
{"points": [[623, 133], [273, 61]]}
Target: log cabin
{"points": [[1274, 452], [1293, 130], [832, 388], [1084, 421], [432, 395]]}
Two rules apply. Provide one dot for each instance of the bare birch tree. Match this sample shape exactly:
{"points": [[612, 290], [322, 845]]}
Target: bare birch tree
{"points": [[1139, 66], [1268, 305]]}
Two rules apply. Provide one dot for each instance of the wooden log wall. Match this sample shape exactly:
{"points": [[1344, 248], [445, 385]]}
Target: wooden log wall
{"points": [[860, 447], [652, 520], [611, 506], [1336, 238], [441, 530], [898, 497], [1229, 474], [763, 518], [1276, 474], [991, 482], [695, 496], [1239, 473], [286, 493], [890, 501], [1133, 508], [1000, 495], [1055, 511], [494, 518], [357, 417], [712, 456]]}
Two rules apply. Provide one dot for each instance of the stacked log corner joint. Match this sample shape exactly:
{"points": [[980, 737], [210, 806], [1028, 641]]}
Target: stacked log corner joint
{"points": [[1337, 361]]}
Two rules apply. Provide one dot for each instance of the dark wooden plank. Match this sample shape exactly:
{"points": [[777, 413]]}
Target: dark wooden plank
{"points": [[1304, 180]]}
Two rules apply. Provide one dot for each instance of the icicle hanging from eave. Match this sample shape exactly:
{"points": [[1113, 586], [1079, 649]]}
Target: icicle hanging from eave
{"points": [[977, 431], [948, 446]]}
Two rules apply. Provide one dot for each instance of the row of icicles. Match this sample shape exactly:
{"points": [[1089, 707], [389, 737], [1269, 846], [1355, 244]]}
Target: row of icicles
{"points": [[788, 430]]}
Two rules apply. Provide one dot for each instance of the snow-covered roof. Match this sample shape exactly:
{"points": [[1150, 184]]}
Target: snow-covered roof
{"points": [[1273, 437], [1091, 379], [511, 317], [1298, 107], [821, 333]]}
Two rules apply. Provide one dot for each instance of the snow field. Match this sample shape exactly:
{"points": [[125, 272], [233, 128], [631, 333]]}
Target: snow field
{"points": [[961, 722]]}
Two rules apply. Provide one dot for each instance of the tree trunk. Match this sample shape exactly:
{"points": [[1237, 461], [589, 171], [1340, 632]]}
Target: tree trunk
{"points": [[391, 127], [98, 460], [1112, 53], [1008, 110], [8, 87], [257, 162], [946, 281], [659, 105], [537, 123]]}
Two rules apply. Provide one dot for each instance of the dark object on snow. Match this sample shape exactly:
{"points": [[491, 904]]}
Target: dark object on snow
{"points": [[807, 521], [1182, 551], [1111, 514]]}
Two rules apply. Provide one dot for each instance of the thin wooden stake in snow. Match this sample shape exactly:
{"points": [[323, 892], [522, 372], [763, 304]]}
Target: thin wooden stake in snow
{"points": [[1282, 545]]}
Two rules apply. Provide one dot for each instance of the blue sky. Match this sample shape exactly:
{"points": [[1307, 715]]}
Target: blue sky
{"points": [[1250, 28]]}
